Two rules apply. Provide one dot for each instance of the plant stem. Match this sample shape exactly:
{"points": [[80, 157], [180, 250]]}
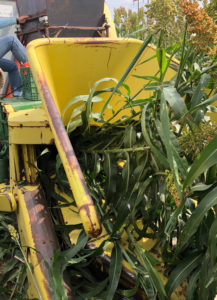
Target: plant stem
{"points": [[118, 150], [30, 271], [181, 66]]}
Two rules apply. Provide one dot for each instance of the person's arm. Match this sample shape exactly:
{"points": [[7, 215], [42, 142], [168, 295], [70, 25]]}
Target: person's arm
{"points": [[4, 22]]}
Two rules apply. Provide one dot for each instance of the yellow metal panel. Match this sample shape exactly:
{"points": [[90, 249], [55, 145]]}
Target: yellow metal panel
{"points": [[7, 201], [29, 127], [31, 135]]}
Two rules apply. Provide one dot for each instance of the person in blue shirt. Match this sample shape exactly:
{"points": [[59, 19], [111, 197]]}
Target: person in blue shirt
{"points": [[11, 43]]}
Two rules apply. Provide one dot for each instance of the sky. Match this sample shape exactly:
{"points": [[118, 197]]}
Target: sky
{"points": [[126, 3]]}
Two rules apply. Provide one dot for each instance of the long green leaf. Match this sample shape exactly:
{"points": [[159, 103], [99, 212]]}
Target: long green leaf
{"points": [[181, 272], [199, 93], [95, 289], [212, 242], [173, 162], [154, 276], [91, 96], [114, 271], [57, 277], [194, 221], [206, 159], [202, 105], [145, 119], [110, 169], [132, 292], [126, 172], [191, 284], [165, 130], [152, 78]]}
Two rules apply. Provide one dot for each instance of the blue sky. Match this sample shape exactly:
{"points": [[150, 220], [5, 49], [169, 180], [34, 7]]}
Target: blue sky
{"points": [[126, 3]]}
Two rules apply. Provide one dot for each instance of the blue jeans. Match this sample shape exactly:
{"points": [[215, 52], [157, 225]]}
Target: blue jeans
{"points": [[11, 43]]}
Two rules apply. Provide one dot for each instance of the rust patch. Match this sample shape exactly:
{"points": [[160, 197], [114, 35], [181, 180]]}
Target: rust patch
{"points": [[21, 126], [44, 237], [96, 42], [95, 233]]}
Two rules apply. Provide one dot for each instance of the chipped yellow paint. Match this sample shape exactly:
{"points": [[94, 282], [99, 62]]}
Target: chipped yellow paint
{"points": [[7, 108]]}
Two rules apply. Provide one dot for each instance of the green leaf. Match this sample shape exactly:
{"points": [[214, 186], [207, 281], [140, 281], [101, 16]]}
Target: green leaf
{"points": [[206, 159], [129, 137], [70, 253], [114, 271], [95, 289], [110, 169], [81, 98], [126, 172], [91, 97], [200, 187], [181, 163], [145, 119], [74, 124], [197, 216], [152, 78], [132, 292], [127, 88], [161, 57], [181, 272], [175, 101], [165, 131], [199, 93], [191, 284], [154, 276], [212, 242], [202, 105], [56, 278], [148, 59]]}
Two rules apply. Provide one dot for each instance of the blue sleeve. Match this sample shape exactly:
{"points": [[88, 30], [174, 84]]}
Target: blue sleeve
{"points": [[4, 22]]}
